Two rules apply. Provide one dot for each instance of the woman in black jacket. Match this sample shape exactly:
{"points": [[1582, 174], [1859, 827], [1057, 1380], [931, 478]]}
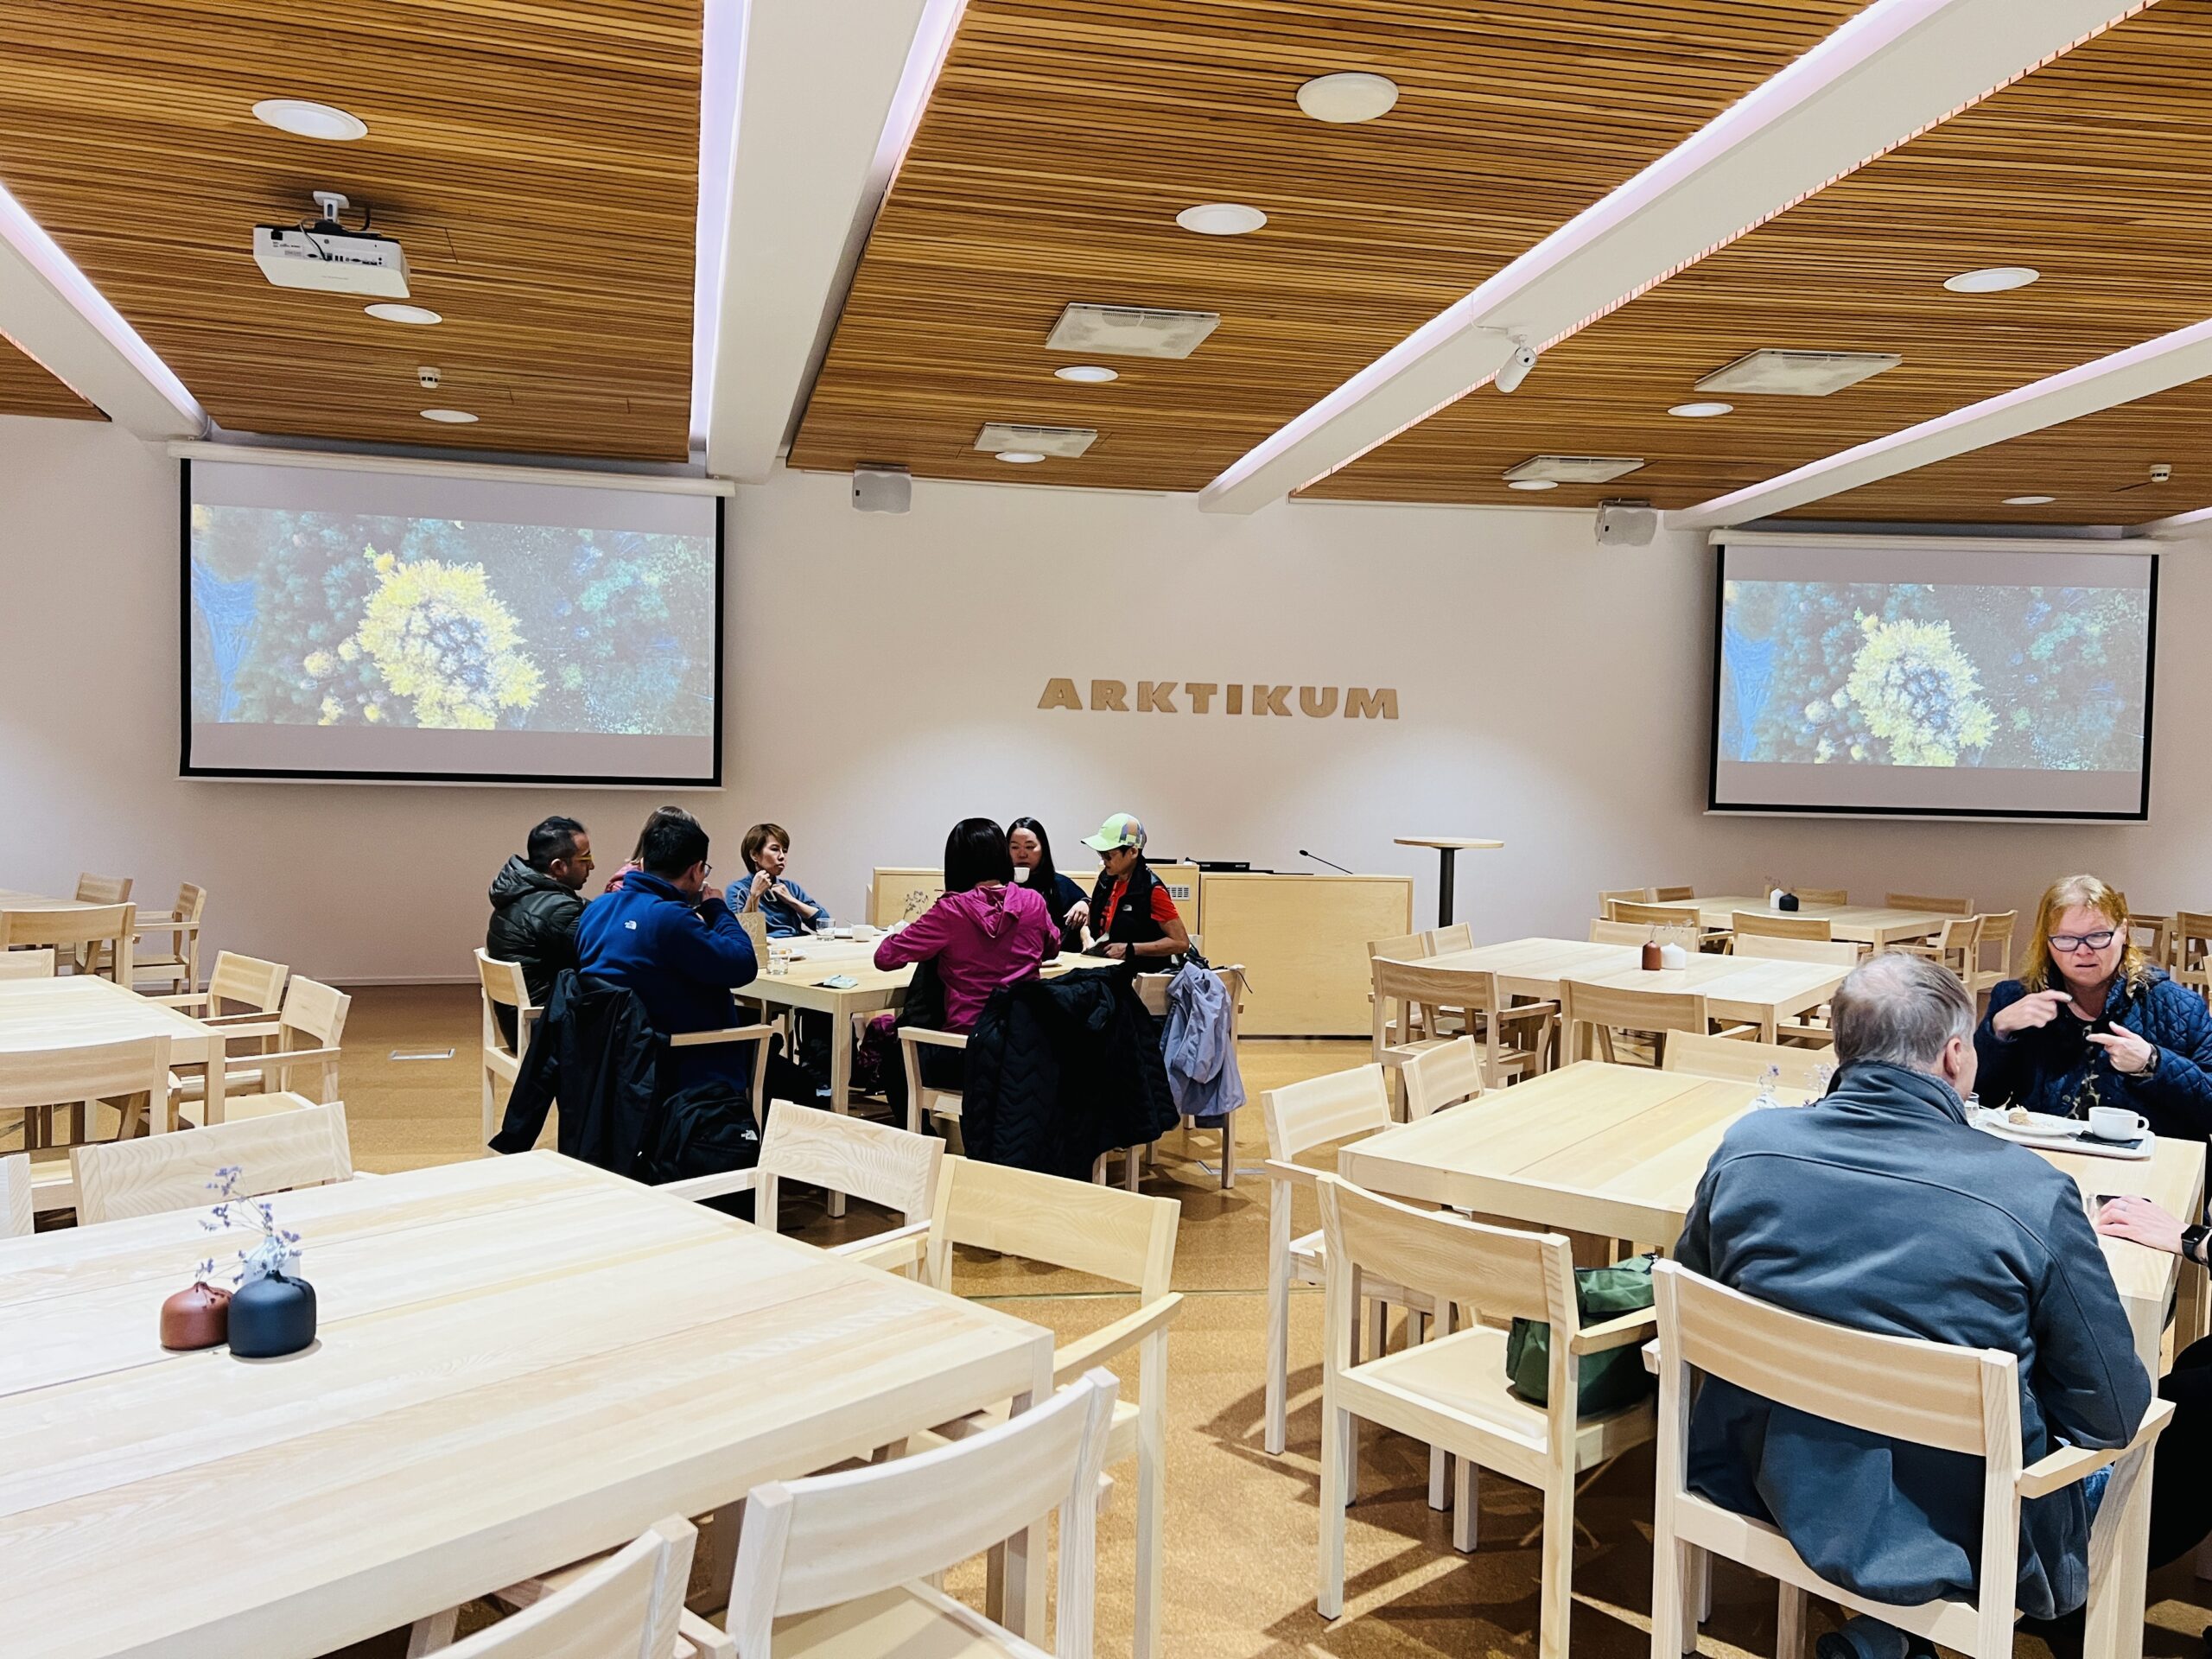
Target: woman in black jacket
{"points": [[1034, 867]]}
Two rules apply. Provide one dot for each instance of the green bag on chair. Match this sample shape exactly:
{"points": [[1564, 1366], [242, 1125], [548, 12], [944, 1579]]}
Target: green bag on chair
{"points": [[1608, 1380]]}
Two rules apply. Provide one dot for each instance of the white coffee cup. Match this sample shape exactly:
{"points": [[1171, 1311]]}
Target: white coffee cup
{"points": [[2117, 1123]]}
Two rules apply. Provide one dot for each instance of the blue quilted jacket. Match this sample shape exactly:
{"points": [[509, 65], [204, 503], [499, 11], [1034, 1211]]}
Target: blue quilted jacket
{"points": [[2044, 1069]]}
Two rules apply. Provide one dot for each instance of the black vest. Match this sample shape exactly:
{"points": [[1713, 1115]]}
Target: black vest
{"points": [[1131, 922]]}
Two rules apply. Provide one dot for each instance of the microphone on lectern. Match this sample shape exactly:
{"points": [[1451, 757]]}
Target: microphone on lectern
{"points": [[1317, 859]]}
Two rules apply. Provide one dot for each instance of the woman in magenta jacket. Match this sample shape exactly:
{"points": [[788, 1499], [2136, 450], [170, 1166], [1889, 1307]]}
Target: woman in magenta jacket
{"points": [[982, 932]]}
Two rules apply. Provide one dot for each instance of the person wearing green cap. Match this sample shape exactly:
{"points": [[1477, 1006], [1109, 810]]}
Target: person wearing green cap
{"points": [[1131, 911]]}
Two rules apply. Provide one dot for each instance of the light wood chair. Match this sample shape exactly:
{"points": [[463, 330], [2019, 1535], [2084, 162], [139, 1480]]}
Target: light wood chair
{"points": [[1442, 941], [1757, 923], [1687, 916], [1832, 896], [117, 1179], [36, 1083], [844, 1565], [1958, 947], [97, 956], [1962, 1399], [2153, 936], [625, 1605], [1127, 1237], [1775, 947], [1441, 1076], [877, 1163], [240, 988], [1608, 897], [1515, 1037], [1452, 1390], [176, 965], [16, 1215], [1925, 901], [1673, 896], [925, 1103], [502, 986], [1737, 1060], [1604, 1009], [298, 1059], [1300, 1117], [1604, 932], [1151, 990], [100, 935], [27, 964], [1405, 947], [1997, 928], [2192, 963]]}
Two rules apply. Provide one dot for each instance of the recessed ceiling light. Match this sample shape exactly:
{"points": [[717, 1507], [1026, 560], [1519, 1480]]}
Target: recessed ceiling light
{"points": [[1221, 218], [1532, 483], [1994, 279], [420, 315], [304, 119], [1020, 457], [450, 417], [1702, 412], [1088, 374], [2029, 500], [1341, 100]]}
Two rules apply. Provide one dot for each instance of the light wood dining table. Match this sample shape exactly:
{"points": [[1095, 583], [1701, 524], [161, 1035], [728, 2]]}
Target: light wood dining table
{"points": [[521, 1361], [1747, 988], [1617, 1151], [1869, 925], [80, 1010], [12, 899]]}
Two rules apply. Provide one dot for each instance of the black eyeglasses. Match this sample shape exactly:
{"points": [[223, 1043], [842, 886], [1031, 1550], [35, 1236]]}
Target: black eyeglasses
{"points": [[2068, 942]]}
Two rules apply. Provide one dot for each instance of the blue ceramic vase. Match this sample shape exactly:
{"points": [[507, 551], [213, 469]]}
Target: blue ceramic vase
{"points": [[271, 1317]]}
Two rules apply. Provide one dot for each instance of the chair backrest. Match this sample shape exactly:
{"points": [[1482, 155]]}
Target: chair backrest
{"points": [[27, 964], [2192, 939], [1703, 1055], [1775, 947], [1823, 895], [1129, 1237], [1656, 915], [258, 986], [628, 1606], [103, 889], [65, 1077], [901, 894], [1432, 987], [314, 1013], [1302, 1115], [1442, 941], [1608, 897], [1928, 901], [1756, 922], [1998, 927], [95, 925], [304, 1147], [2154, 935], [1603, 932], [872, 1162], [1499, 1270], [15, 1196], [1673, 896], [756, 933], [1442, 1076], [1960, 944], [1611, 1009], [1405, 947], [502, 985], [815, 1543]]}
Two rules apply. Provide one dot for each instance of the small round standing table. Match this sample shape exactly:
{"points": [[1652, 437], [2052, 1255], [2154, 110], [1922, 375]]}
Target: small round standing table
{"points": [[1448, 847]]}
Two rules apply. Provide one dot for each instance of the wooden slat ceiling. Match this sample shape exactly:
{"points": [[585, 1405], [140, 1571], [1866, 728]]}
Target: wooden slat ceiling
{"points": [[538, 162], [1063, 136], [26, 388], [2097, 171]]}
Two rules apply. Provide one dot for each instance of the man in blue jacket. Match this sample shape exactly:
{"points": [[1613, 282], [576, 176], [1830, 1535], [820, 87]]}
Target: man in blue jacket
{"points": [[668, 935], [1880, 1209]]}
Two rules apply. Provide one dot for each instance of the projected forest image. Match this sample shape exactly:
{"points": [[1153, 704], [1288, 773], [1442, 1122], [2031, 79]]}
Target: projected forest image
{"points": [[325, 618], [1876, 674]]}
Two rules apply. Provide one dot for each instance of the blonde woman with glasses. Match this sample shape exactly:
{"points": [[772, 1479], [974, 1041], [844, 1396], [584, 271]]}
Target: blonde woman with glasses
{"points": [[2091, 1022]]}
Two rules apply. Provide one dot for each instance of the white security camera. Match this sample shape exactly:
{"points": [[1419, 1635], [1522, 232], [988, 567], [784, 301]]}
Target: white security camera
{"points": [[1511, 372], [427, 377]]}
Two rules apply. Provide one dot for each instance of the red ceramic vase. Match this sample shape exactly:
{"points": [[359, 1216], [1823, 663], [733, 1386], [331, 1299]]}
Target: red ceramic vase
{"points": [[199, 1316]]}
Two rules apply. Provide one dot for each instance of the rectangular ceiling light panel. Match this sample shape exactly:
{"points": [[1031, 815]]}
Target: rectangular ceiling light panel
{"points": [[1067, 441], [1130, 331], [1798, 374], [1577, 469]]}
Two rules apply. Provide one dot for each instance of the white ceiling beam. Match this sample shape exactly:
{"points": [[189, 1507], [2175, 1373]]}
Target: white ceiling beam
{"points": [[2141, 370], [830, 92], [2179, 527], [51, 310], [1892, 71]]}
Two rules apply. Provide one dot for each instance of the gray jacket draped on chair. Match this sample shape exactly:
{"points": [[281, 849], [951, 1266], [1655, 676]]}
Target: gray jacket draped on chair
{"points": [[1196, 1043]]}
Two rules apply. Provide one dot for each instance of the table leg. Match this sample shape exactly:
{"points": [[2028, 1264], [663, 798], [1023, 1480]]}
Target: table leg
{"points": [[1444, 856], [840, 1079], [213, 1110]]}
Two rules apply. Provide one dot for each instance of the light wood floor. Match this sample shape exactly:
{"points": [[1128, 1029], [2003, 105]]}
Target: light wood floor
{"points": [[1241, 1525]]}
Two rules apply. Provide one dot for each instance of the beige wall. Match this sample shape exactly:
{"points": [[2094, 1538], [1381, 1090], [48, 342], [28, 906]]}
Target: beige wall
{"points": [[884, 676]]}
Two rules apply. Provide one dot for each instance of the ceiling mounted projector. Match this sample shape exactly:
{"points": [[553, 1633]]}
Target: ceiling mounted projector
{"points": [[1625, 523], [326, 255]]}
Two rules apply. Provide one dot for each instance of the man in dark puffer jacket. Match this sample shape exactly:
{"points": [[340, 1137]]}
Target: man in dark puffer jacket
{"points": [[535, 907], [1060, 1070]]}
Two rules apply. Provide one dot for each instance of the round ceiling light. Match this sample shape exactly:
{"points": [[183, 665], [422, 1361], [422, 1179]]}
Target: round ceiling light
{"points": [[1532, 483], [1993, 279], [1221, 218], [1020, 457], [305, 119], [450, 417], [1087, 374], [1343, 99], [1702, 412], [2029, 500], [387, 311]]}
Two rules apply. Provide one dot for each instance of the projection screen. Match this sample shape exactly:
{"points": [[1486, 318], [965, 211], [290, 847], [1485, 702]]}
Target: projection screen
{"points": [[1932, 679], [422, 627]]}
